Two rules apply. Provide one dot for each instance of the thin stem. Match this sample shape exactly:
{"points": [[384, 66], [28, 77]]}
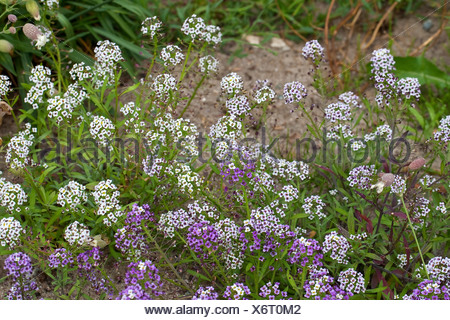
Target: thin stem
{"points": [[193, 95], [414, 234]]}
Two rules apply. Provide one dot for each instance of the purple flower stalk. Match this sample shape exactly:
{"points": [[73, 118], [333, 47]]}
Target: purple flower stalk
{"points": [[146, 275]]}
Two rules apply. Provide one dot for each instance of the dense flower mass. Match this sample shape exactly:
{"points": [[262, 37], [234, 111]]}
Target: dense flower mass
{"points": [[18, 266], [338, 246], [314, 51], [77, 234], [429, 290], [443, 133], [313, 206], [171, 55], [43, 86], [272, 291], [10, 232], [151, 26], [5, 85], [60, 258], [193, 27], [208, 64], [352, 281], [102, 129], [207, 293], [146, 275], [17, 153], [72, 195], [232, 84], [237, 291], [12, 196], [361, 177], [294, 92]]}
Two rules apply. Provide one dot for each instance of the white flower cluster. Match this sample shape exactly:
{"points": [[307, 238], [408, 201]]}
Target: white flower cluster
{"points": [[420, 210], [10, 231], [12, 196], [80, 72], [441, 208], [225, 135], [132, 115], [289, 193], [203, 210], [409, 87], [151, 26], [43, 38], [427, 180], [153, 166], [360, 236], [338, 245], [101, 129], [352, 281], [77, 234], [106, 197], [313, 206], [172, 221], [264, 220], [286, 169], [338, 111], [232, 84], [208, 64], [179, 133], [51, 4], [238, 105], [171, 55], [71, 195], [164, 85], [382, 131], [361, 177], [294, 92], [108, 54], [5, 85], [439, 269], [403, 260], [212, 35], [443, 132], [314, 51], [18, 150], [350, 99], [195, 27], [188, 180], [43, 85], [398, 186], [62, 107], [264, 95]]}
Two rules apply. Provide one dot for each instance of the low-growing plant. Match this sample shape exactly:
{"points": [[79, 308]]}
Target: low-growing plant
{"points": [[103, 179]]}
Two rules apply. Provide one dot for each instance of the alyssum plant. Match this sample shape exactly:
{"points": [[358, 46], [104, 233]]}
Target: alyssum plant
{"points": [[245, 224]]}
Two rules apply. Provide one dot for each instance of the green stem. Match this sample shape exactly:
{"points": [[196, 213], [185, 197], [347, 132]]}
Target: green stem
{"points": [[193, 95], [415, 237], [186, 286]]}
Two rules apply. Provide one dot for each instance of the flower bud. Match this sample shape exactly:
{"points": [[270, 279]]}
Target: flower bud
{"points": [[31, 31], [12, 18], [388, 179], [417, 164], [33, 9], [12, 30], [6, 46]]}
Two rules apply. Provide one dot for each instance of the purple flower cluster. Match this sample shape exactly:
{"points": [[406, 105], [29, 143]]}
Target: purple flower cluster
{"points": [[18, 266], [361, 177], [133, 292], [272, 291], [203, 239], [236, 177], [439, 269], [306, 253], [429, 290], [237, 291], [131, 240], [207, 293], [320, 286], [60, 258], [145, 275], [294, 92], [338, 111], [385, 81], [88, 268]]}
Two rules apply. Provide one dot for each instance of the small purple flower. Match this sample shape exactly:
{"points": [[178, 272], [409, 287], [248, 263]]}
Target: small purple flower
{"points": [[314, 51], [207, 293], [60, 258], [146, 275], [272, 291], [133, 292], [18, 266]]}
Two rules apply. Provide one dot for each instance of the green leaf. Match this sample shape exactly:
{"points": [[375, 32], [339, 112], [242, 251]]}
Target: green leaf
{"points": [[198, 275], [422, 69]]}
